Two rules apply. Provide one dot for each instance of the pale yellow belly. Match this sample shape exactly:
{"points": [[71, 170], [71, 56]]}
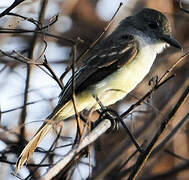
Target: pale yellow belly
{"points": [[117, 86]]}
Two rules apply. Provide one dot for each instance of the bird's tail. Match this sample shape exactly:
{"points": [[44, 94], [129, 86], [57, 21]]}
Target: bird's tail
{"points": [[31, 146]]}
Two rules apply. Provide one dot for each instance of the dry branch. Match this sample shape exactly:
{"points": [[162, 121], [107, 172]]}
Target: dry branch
{"points": [[143, 157]]}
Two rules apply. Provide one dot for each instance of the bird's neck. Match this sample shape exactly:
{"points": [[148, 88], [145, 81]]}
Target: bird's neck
{"points": [[154, 45]]}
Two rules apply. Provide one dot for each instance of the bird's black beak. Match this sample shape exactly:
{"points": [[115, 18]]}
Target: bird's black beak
{"points": [[168, 39]]}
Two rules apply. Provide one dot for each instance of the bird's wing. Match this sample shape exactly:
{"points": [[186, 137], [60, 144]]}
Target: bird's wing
{"points": [[106, 58]]}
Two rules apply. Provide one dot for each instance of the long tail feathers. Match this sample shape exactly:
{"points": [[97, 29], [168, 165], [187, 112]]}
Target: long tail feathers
{"points": [[31, 146]]}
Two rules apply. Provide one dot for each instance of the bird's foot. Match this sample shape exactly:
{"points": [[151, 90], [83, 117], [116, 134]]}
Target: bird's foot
{"points": [[111, 115]]}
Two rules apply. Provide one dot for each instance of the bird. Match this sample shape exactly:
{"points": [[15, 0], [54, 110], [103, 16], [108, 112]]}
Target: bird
{"points": [[114, 67]]}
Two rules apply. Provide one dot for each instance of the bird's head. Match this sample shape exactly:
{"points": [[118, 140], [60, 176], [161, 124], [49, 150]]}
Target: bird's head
{"points": [[155, 24]]}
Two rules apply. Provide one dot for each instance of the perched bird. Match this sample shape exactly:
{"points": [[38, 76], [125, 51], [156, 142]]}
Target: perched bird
{"points": [[114, 68]]}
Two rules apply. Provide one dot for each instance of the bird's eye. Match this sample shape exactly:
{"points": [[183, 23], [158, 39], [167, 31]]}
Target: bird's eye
{"points": [[153, 25]]}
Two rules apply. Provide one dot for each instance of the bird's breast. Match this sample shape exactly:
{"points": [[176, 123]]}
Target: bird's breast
{"points": [[117, 85]]}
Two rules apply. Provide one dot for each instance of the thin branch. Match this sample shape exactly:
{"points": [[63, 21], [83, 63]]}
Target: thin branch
{"points": [[54, 76], [20, 107], [142, 159], [20, 31], [29, 164], [181, 7], [4, 67], [170, 173], [37, 62], [31, 20], [73, 91], [181, 59], [29, 61], [176, 155], [11, 7], [170, 135], [130, 157]]}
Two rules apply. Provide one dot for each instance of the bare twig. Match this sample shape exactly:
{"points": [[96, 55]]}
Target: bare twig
{"points": [[35, 22], [11, 7], [53, 74], [5, 66], [181, 8], [31, 165], [73, 91], [37, 62], [30, 60], [145, 155], [176, 155], [20, 107], [181, 59], [170, 135], [170, 173], [20, 31], [130, 157], [39, 26]]}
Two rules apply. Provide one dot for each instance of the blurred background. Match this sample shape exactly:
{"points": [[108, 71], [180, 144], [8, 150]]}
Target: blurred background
{"points": [[28, 95]]}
